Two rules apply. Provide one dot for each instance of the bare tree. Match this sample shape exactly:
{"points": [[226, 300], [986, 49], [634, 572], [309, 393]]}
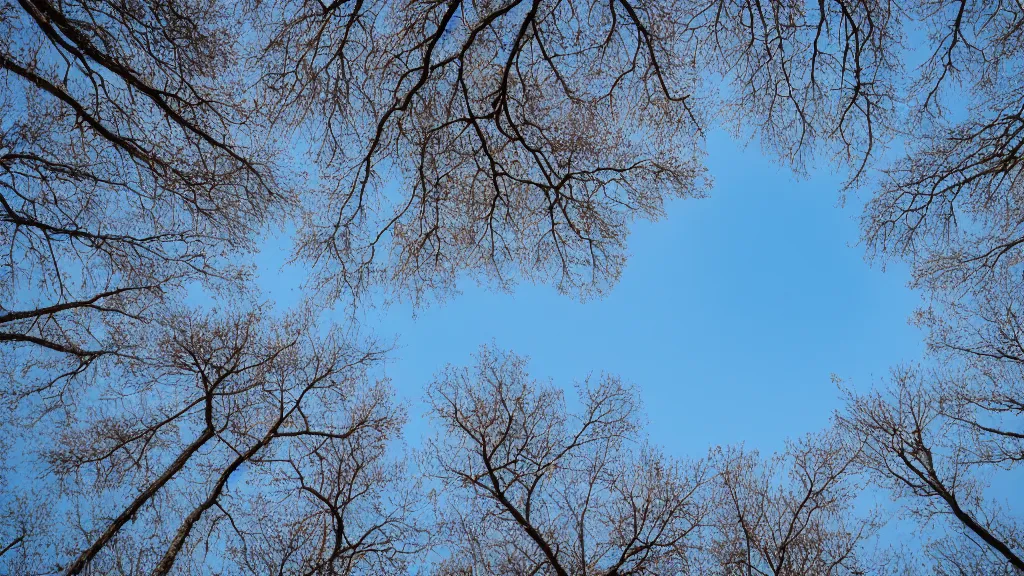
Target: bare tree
{"points": [[794, 513], [804, 77], [140, 155], [238, 442], [516, 140], [24, 518], [939, 435], [509, 140], [531, 488], [951, 204], [512, 139], [931, 441], [132, 162]]}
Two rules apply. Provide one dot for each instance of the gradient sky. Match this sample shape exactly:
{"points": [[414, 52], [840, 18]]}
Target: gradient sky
{"points": [[730, 317]]}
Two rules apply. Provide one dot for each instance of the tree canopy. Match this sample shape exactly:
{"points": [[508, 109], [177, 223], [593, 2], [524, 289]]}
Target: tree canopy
{"points": [[148, 147]]}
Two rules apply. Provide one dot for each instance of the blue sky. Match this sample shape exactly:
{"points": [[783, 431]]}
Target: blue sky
{"points": [[730, 317]]}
